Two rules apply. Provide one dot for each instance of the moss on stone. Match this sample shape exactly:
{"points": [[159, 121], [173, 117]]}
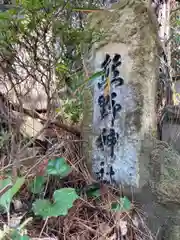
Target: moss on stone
{"points": [[87, 127]]}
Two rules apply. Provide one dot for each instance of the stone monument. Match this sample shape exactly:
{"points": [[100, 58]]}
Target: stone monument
{"points": [[120, 116], [124, 95]]}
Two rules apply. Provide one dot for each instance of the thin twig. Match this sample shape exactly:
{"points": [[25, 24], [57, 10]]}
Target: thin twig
{"points": [[5, 189], [43, 227], [174, 10]]}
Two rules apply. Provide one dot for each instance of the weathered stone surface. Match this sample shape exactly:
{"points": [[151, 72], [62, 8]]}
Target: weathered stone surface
{"points": [[165, 169], [160, 199], [31, 127], [126, 31], [141, 161], [171, 125], [171, 134], [173, 233], [87, 128]]}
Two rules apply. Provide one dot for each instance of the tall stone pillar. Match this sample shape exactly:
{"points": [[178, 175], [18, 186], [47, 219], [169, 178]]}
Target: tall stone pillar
{"points": [[120, 116], [124, 107]]}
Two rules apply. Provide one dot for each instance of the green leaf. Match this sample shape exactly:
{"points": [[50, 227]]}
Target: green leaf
{"points": [[126, 204], [95, 75], [18, 184], [63, 201], [58, 110], [93, 191], [6, 198], [61, 67], [123, 206], [25, 237], [93, 78], [37, 185], [30, 4], [17, 236], [115, 207], [4, 16], [58, 167], [42, 207]]}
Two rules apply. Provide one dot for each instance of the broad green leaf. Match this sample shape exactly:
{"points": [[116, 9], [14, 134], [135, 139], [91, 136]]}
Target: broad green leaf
{"points": [[58, 167], [42, 207], [25, 237], [126, 204], [17, 236], [37, 184], [63, 201], [18, 184], [123, 205], [6, 198]]}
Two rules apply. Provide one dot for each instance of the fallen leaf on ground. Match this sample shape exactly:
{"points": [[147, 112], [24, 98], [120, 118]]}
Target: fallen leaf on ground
{"points": [[103, 230], [135, 221], [123, 227]]}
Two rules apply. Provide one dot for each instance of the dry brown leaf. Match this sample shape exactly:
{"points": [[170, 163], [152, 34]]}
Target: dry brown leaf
{"points": [[123, 227], [15, 221], [31, 127], [135, 221], [113, 237], [103, 230], [17, 204]]}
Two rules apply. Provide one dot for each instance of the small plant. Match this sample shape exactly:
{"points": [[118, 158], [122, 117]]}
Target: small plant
{"points": [[93, 191], [4, 138], [8, 190], [18, 233], [17, 236], [37, 185], [6, 198], [94, 78], [58, 167], [73, 109], [124, 205], [63, 201], [63, 198]]}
